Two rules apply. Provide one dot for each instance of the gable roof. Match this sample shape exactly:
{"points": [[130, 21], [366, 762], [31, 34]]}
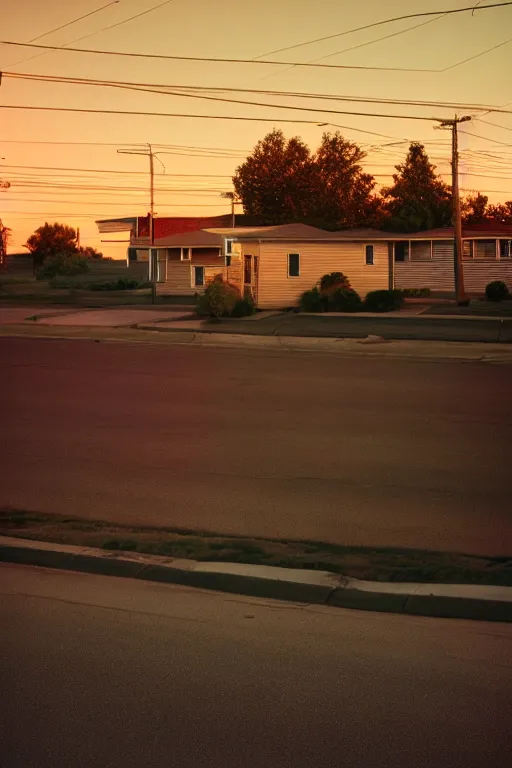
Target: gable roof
{"points": [[200, 238]]}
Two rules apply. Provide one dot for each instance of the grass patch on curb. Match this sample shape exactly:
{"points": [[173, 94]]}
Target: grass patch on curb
{"points": [[371, 563]]}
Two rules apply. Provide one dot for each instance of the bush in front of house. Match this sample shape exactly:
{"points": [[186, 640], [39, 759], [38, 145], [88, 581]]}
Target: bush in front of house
{"points": [[312, 301], [244, 306], [62, 264], [333, 281], [344, 300], [219, 299], [383, 301], [497, 291]]}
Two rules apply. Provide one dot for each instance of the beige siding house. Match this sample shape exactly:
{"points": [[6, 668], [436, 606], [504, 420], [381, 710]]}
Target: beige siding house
{"points": [[277, 264]]}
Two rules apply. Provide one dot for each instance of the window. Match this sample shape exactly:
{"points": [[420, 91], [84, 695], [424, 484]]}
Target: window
{"points": [[294, 265], [505, 249], [247, 269], [467, 249], [402, 251], [485, 249], [228, 260], [369, 254], [198, 276], [421, 250], [229, 246], [186, 254]]}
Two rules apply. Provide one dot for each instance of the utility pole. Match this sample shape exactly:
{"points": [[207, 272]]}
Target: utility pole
{"points": [[153, 265], [458, 266], [234, 199]]}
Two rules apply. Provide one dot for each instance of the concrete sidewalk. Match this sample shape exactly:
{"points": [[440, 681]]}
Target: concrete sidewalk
{"points": [[463, 601], [403, 325]]}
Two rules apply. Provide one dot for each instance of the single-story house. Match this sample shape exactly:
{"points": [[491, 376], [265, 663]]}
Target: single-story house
{"points": [[278, 263], [425, 259]]}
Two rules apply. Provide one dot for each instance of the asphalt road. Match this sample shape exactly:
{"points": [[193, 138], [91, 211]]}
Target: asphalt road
{"points": [[306, 445], [110, 672]]}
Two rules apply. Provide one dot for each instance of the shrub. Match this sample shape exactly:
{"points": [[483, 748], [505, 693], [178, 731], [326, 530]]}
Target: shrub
{"points": [[219, 299], [244, 306], [333, 281], [497, 291], [312, 301], [62, 264], [383, 301], [344, 300]]}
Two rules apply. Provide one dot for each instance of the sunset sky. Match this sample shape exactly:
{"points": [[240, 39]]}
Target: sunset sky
{"points": [[203, 153]]}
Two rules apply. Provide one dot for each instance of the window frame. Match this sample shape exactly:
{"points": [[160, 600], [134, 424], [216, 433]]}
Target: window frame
{"points": [[504, 241], [195, 284], [228, 246], [405, 244], [366, 262], [293, 253]]}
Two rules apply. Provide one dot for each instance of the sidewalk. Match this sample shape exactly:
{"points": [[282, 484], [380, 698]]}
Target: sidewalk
{"points": [[485, 603], [411, 336]]}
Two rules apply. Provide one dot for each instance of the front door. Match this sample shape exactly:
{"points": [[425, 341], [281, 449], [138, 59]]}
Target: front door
{"points": [[251, 275]]}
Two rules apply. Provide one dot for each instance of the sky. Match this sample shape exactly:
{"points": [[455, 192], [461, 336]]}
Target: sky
{"points": [[64, 166]]}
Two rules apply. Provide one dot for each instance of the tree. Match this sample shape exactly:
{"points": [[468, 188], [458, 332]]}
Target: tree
{"points": [[274, 183], [51, 240], [419, 198], [474, 208], [341, 196], [501, 212]]}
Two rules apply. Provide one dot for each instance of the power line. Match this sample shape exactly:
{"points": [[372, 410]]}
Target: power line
{"points": [[216, 117], [380, 23], [103, 29], [179, 90], [62, 26], [477, 55], [378, 39], [168, 57], [494, 125], [102, 170], [73, 21], [486, 138]]}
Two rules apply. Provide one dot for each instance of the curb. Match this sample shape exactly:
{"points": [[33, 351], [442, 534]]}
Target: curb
{"points": [[427, 351], [314, 587]]}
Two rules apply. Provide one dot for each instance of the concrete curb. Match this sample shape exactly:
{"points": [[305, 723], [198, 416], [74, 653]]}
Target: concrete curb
{"points": [[314, 587]]}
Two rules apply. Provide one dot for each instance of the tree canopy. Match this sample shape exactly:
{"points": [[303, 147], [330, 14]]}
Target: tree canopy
{"points": [[282, 181], [274, 183], [418, 198], [50, 240]]}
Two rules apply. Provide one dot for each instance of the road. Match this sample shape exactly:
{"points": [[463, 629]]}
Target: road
{"points": [[110, 672], [288, 444]]}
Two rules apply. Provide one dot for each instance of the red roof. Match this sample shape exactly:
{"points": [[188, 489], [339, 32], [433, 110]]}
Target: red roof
{"points": [[175, 225]]}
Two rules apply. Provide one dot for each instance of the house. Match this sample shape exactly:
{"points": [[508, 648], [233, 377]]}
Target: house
{"points": [[278, 263], [425, 259], [275, 263]]}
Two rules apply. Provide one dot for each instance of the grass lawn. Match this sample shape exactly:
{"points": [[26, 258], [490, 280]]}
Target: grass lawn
{"points": [[372, 563]]}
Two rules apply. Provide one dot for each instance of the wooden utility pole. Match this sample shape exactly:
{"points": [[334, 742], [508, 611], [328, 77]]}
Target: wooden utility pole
{"points": [[152, 263], [458, 266]]}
